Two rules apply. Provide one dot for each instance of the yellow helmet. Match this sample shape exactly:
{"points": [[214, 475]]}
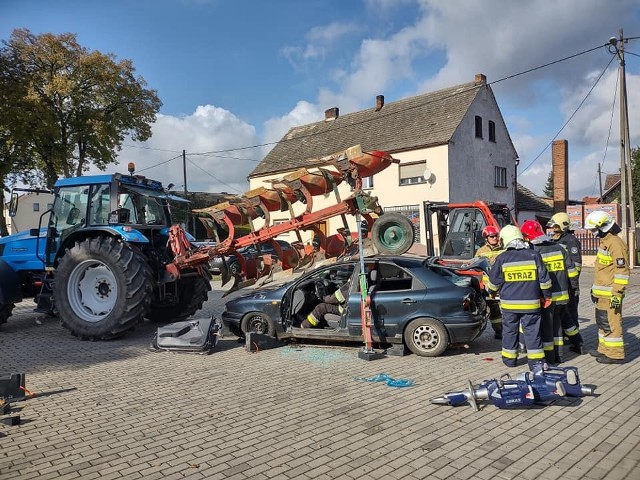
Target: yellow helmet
{"points": [[599, 220], [561, 219], [508, 233]]}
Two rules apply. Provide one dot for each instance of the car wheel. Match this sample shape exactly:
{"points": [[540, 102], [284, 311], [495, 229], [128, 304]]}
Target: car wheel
{"points": [[258, 322], [234, 268], [426, 337]]}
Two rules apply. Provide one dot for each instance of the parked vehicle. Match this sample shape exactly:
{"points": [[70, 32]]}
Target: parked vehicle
{"points": [[102, 260], [216, 264], [414, 301]]}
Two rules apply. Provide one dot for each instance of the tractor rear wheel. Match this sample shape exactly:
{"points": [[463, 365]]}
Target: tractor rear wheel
{"points": [[192, 293], [392, 233], [102, 288], [5, 311]]}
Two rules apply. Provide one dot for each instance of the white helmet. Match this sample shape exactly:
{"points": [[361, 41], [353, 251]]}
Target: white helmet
{"points": [[508, 233], [599, 220]]}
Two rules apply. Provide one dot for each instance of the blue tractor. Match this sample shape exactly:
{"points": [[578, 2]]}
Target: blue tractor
{"points": [[102, 262]]}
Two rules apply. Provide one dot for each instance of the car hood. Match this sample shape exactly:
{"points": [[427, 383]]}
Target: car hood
{"points": [[275, 291]]}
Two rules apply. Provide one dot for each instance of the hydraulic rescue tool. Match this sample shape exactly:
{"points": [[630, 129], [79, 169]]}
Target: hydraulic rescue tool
{"points": [[527, 389]]}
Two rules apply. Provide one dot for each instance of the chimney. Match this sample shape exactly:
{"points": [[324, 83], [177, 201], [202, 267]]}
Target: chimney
{"points": [[379, 102], [560, 166], [480, 79], [331, 114]]}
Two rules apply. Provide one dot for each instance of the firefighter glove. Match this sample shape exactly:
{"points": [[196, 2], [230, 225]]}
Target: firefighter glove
{"points": [[594, 299], [616, 301], [546, 302]]}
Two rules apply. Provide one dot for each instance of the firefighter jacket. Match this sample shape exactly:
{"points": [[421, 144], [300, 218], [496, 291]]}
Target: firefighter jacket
{"points": [[521, 278], [339, 297], [574, 247], [611, 268], [490, 252], [560, 267]]}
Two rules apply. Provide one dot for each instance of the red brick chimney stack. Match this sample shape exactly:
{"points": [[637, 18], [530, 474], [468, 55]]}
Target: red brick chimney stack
{"points": [[480, 79], [560, 166]]}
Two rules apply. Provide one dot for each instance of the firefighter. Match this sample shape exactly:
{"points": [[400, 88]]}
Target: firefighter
{"points": [[333, 303], [490, 250], [521, 279], [610, 279], [563, 277], [563, 235]]}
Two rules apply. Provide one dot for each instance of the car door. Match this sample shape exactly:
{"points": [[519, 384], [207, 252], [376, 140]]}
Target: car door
{"points": [[395, 299]]}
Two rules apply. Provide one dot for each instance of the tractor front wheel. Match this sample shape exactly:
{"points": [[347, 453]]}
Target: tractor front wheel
{"points": [[102, 288]]}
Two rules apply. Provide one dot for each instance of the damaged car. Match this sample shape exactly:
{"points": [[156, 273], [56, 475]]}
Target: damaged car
{"points": [[415, 301]]}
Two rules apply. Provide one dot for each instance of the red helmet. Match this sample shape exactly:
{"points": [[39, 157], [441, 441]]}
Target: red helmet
{"points": [[531, 229], [490, 230]]}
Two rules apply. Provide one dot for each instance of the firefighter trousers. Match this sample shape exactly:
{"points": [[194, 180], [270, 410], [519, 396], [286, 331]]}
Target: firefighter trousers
{"points": [[551, 333], [610, 329], [316, 318], [495, 315], [531, 323], [570, 329]]}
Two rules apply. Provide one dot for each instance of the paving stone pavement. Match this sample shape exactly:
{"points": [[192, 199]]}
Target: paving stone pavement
{"points": [[117, 410]]}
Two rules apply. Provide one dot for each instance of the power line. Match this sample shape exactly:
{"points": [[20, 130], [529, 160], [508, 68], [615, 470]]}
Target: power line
{"points": [[338, 127], [158, 164], [571, 117], [142, 147], [214, 153], [212, 176]]}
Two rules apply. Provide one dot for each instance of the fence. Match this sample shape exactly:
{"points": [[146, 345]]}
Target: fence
{"points": [[589, 243]]}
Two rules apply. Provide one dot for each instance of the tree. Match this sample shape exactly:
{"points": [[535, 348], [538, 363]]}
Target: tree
{"points": [[75, 106], [635, 178], [548, 187]]}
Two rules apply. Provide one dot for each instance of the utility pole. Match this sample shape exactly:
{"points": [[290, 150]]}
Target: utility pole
{"points": [[184, 175], [626, 179], [600, 181]]}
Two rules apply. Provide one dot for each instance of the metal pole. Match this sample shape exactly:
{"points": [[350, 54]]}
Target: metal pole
{"points": [[627, 147], [600, 181], [184, 175], [623, 163]]}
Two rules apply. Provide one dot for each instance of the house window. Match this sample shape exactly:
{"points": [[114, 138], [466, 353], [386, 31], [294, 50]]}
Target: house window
{"points": [[500, 177], [367, 182], [412, 173], [478, 126], [492, 131], [36, 207]]}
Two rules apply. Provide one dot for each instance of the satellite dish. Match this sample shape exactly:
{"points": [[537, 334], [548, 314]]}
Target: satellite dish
{"points": [[428, 175]]}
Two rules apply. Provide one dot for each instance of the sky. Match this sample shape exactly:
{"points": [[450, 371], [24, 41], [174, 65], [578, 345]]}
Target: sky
{"points": [[234, 74]]}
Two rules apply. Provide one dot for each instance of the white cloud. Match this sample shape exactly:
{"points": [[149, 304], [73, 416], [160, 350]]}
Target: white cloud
{"points": [[302, 114], [321, 40], [208, 129]]}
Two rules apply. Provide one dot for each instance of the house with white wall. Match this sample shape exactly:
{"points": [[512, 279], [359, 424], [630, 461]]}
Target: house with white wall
{"points": [[453, 146], [30, 207]]}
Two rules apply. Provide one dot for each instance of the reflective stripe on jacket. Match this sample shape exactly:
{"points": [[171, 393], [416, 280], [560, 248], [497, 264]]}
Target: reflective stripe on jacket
{"points": [[521, 278], [561, 270], [611, 268]]}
